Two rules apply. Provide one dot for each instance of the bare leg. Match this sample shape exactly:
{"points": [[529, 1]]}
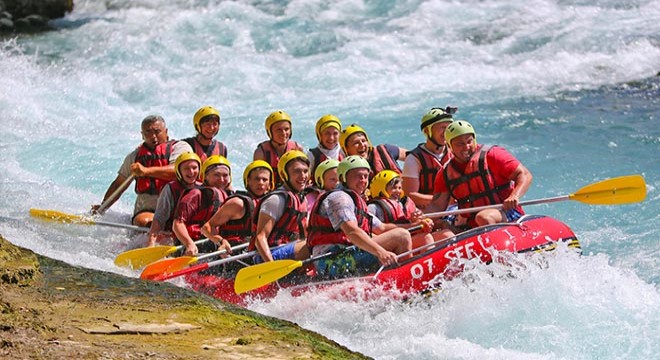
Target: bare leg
{"points": [[396, 240]]}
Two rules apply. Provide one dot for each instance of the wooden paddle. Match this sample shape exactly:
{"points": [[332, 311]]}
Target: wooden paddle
{"points": [[258, 275], [614, 191], [139, 258], [54, 215], [169, 266]]}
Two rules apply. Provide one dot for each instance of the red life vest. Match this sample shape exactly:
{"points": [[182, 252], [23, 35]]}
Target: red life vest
{"points": [[380, 159], [475, 186], [320, 228], [397, 212], [319, 157], [159, 156], [429, 165], [272, 157], [241, 230], [177, 192], [214, 148], [210, 201], [291, 225]]}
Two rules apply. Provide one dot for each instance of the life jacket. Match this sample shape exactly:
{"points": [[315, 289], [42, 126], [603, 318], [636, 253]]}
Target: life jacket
{"points": [[380, 159], [177, 192], [429, 166], [319, 157], [291, 225], [214, 148], [320, 231], [159, 156], [272, 157], [475, 186], [395, 211], [210, 201], [241, 230]]}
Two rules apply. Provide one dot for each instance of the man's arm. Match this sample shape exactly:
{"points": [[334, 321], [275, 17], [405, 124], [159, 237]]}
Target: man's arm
{"points": [[362, 240], [264, 227], [116, 184], [522, 178]]}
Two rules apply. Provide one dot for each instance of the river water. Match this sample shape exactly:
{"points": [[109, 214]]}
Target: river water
{"points": [[569, 87]]}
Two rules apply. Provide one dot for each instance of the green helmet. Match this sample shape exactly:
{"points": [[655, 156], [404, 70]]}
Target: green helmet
{"points": [[324, 166], [436, 115], [458, 128], [349, 163]]}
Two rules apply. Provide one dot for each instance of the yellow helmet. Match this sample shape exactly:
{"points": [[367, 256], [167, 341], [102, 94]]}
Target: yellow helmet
{"points": [[213, 161], [203, 112], [186, 156], [378, 186], [277, 116], [347, 132], [286, 159], [325, 122], [436, 115], [258, 164], [349, 163], [324, 166], [458, 128]]}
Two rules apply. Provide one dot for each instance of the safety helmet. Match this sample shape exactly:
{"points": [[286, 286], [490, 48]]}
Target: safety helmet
{"points": [[325, 122], [213, 161], [324, 166], [203, 112], [458, 128], [186, 156], [435, 115], [274, 117], [258, 164], [349, 163], [378, 186], [347, 132], [286, 159]]}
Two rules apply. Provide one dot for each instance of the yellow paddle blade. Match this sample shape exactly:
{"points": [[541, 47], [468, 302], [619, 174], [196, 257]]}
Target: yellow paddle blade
{"points": [[614, 191], [256, 276], [53, 215], [167, 266], [139, 258]]}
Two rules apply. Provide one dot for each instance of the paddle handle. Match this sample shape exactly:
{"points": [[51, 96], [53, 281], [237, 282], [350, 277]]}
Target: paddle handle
{"points": [[498, 206], [106, 204]]}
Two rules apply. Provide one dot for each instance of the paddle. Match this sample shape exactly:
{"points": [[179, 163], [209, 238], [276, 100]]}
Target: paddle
{"points": [[258, 275], [139, 258], [175, 264], [203, 266], [53, 215], [106, 204], [614, 191]]}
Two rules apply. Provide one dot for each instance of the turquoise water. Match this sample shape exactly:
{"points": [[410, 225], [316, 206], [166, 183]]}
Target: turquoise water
{"points": [[569, 87]]}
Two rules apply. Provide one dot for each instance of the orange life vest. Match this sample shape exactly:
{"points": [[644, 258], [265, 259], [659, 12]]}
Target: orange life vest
{"points": [[429, 165], [293, 222], [214, 148], [159, 156]]}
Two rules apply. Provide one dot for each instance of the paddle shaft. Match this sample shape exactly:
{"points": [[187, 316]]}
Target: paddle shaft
{"points": [[220, 252], [497, 206], [106, 204], [204, 266], [122, 226]]}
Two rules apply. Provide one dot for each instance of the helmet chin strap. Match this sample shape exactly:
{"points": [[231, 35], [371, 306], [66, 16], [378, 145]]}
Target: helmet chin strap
{"points": [[438, 146]]}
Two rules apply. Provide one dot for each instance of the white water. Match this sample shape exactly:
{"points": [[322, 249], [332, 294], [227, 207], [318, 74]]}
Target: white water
{"points": [[539, 77]]}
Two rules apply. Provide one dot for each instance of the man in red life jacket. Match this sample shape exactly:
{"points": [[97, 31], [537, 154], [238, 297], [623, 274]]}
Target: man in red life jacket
{"points": [[282, 214], [198, 204], [186, 169], [234, 223], [340, 219], [151, 163], [423, 162], [479, 175], [207, 124], [327, 131], [279, 129], [354, 141]]}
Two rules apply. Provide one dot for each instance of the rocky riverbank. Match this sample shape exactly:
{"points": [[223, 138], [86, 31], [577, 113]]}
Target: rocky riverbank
{"points": [[51, 310], [30, 15]]}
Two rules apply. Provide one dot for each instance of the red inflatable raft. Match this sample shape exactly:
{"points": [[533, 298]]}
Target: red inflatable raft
{"points": [[531, 233]]}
